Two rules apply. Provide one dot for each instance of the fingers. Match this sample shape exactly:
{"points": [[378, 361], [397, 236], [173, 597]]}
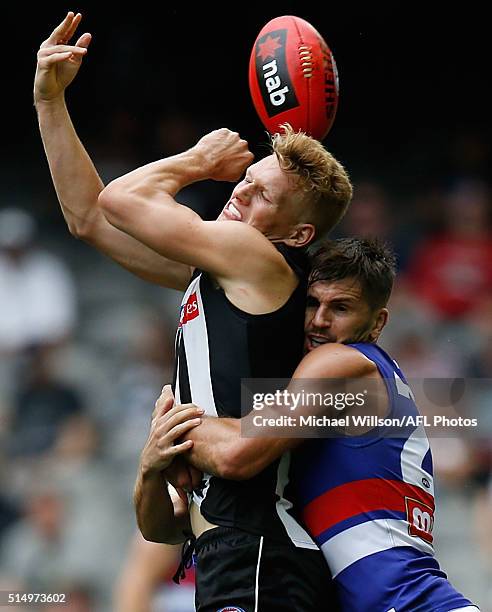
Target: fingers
{"points": [[47, 51], [84, 40], [164, 402], [65, 30], [173, 424], [178, 414], [54, 58], [162, 406], [166, 394], [176, 424], [75, 22], [177, 427], [181, 448]]}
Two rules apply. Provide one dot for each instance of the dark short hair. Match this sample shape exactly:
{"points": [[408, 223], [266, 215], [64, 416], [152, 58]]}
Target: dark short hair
{"points": [[367, 260]]}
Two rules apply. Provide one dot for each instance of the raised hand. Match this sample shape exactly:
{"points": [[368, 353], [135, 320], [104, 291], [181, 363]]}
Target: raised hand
{"points": [[58, 61], [225, 153]]}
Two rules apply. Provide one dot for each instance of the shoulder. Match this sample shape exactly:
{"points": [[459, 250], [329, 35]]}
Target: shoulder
{"points": [[243, 236], [253, 263], [334, 360]]}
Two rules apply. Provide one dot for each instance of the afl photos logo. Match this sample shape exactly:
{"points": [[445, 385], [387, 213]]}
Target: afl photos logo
{"points": [[189, 311], [272, 73]]}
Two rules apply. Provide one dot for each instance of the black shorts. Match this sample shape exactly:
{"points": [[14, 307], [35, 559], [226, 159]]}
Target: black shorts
{"points": [[240, 571]]}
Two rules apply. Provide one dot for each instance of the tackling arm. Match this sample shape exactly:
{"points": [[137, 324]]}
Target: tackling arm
{"points": [[218, 447]]}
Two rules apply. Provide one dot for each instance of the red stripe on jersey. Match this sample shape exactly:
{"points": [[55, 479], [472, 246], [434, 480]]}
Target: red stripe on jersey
{"points": [[358, 497]]}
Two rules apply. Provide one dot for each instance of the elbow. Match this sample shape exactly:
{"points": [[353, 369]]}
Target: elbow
{"points": [[153, 536], [156, 533], [148, 534], [77, 231], [110, 202], [120, 204], [82, 230]]}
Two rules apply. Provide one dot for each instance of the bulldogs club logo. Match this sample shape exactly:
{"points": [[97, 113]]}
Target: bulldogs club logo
{"points": [[189, 310], [272, 73]]}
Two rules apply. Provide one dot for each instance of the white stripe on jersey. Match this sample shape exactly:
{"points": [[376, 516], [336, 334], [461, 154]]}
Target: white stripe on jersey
{"points": [[296, 533], [257, 579], [412, 455], [195, 337], [366, 539]]}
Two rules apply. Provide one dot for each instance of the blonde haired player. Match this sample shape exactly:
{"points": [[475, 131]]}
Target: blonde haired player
{"points": [[244, 277]]}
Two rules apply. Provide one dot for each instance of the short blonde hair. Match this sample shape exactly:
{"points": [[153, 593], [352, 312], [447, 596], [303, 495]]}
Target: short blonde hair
{"points": [[323, 179]]}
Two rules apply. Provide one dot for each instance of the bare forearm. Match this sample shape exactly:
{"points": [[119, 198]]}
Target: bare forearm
{"points": [[75, 178], [78, 186], [164, 176], [141, 204], [213, 442], [219, 449], [220, 155], [154, 509]]}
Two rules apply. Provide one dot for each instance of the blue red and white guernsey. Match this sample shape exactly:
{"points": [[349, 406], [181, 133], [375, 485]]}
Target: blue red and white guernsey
{"points": [[369, 505]]}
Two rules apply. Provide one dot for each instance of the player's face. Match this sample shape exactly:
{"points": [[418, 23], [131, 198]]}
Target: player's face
{"points": [[265, 199], [337, 312]]}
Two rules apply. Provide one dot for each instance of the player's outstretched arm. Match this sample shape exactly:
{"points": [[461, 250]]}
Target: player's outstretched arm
{"points": [[75, 178]]}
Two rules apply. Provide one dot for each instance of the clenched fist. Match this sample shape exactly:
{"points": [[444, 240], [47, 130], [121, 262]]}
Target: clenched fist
{"points": [[225, 154]]}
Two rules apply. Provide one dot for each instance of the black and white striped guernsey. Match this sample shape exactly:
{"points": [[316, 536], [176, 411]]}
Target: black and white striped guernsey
{"points": [[217, 345]]}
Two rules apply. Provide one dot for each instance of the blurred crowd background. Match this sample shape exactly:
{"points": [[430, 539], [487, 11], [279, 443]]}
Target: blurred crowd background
{"points": [[85, 347]]}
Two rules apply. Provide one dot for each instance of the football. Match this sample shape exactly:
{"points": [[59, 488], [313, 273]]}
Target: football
{"points": [[293, 77]]}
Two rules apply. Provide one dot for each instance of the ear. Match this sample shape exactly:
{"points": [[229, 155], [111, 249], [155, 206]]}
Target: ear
{"points": [[301, 235], [380, 322]]}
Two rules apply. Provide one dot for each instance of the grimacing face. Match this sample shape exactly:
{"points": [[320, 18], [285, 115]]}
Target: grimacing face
{"points": [[266, 198], [337, 311]]}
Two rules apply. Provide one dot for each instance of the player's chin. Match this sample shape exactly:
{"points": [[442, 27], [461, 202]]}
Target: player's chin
{"points": [[309, 345], [313, 343]]}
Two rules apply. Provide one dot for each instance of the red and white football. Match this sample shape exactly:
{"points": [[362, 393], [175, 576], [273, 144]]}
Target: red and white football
{"points": [[293, 77]]}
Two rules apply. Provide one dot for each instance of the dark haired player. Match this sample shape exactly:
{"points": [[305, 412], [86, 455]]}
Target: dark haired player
{"points": [[367, 500]]}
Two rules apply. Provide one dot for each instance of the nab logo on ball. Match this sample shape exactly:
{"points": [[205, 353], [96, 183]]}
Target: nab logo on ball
{"points": [[189, 311], [293, 77], [272, 73]]}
